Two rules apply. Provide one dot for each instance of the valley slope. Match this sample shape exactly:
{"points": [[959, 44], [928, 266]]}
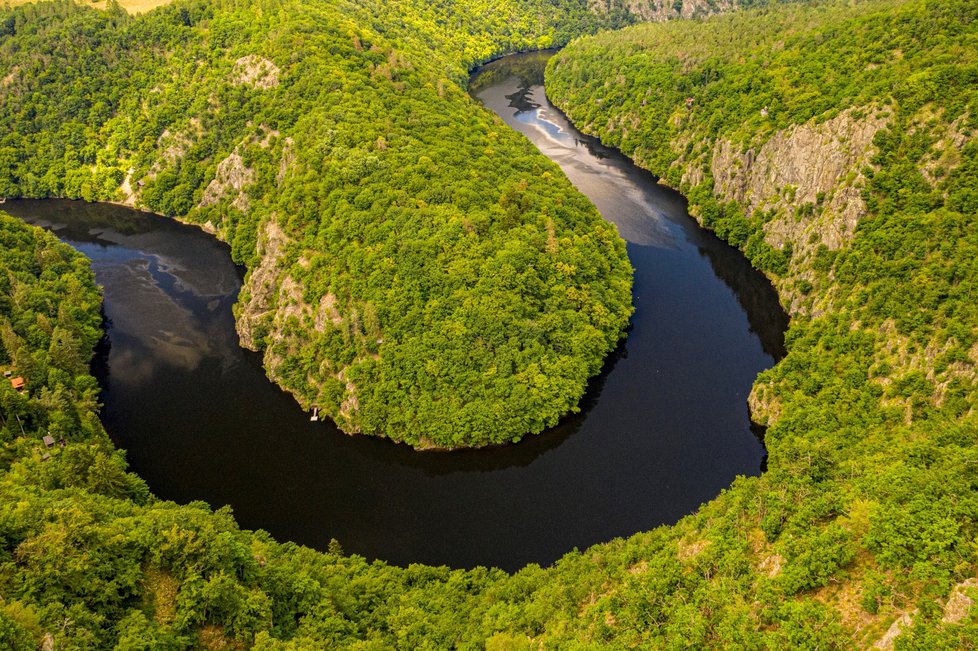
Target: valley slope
{"points": [[835, 144], [862, 531]]}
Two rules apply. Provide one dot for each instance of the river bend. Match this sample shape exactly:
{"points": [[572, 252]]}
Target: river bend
{"points": [[662, 430]]}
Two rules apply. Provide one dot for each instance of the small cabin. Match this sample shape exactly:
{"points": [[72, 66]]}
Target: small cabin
{"points": [[48, 441], [45, 457], [18, 383]]}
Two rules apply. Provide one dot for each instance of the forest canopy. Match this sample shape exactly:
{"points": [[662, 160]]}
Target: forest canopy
{"points": [[862, 531], [416, 270], [834, 142]]}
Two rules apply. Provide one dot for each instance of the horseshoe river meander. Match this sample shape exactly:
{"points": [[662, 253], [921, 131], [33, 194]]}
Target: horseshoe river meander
{"points": [[662, 430]]}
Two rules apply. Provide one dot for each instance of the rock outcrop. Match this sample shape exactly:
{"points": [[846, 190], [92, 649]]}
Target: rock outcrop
{"points": [[660, 10], [9, 77], [233, 176], [663, 10], [817, 165], [255, 71], [901, 624], [808, 180], [258, 299], [959, 602]]}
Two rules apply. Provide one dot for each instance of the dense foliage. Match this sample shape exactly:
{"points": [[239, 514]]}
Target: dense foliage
{"points": [[433, 279], [868, 511], [870, 501]]}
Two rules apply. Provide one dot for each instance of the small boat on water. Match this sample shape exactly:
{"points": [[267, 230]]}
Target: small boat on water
{"points": [[315, 414]]}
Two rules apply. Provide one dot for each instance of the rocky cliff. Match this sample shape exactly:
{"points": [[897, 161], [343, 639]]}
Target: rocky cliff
{"points": [[662, 10], [804, 183]]}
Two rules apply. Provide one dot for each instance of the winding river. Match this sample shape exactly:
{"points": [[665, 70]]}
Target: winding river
{"points": [[662, 430]]}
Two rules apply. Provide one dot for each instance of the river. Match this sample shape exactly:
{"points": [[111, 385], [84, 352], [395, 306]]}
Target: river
{"points": [[662, 430]]}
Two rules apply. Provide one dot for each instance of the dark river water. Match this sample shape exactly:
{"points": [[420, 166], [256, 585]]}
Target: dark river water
{"points": [[664, 429]]}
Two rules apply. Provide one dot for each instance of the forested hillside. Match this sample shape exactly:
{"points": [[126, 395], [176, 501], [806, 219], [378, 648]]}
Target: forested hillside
{"points": [[416, 271], [835, 145], [863, 530]]}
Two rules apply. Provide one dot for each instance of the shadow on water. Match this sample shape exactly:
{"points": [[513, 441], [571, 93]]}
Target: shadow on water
{"points": [[663, 429]]}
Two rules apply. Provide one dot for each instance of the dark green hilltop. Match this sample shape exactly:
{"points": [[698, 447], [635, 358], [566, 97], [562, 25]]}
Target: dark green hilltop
{"points": [[418, 271]]}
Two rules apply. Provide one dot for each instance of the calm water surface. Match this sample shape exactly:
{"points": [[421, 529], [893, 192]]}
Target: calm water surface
{"points": [[664, 429]]}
